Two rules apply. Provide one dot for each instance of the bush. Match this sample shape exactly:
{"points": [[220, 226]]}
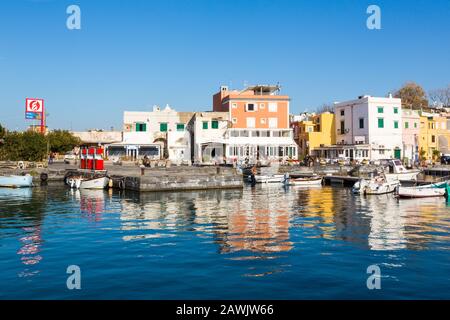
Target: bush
{"points": [[26, 146]]}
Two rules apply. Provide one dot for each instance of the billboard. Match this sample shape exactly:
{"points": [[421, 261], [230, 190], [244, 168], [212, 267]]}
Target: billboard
{"points": [[34, 108]]}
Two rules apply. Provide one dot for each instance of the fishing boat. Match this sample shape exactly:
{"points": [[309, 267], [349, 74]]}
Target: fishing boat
{"points": [[88, 183], [377, 185], [307, 181], [398, 172], [427, 191], [12, 181]]}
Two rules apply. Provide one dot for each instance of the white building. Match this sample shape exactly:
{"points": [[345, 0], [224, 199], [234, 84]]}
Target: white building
{"points": [[208, 132], [160, 133], [367, 128]]}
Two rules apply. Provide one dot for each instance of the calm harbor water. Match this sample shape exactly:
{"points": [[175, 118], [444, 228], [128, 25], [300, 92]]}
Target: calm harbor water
{"points": [[262, 243]]}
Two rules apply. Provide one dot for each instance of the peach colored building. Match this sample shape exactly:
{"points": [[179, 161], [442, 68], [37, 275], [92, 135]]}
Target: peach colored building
{"points": [[258, 107], [258, 123]]}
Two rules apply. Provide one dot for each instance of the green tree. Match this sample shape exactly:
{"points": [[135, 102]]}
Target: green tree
{"points": [[26, 146], [413, 96], [62, 141]]}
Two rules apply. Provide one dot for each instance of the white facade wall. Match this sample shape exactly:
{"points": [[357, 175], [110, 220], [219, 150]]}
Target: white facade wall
{"points": [[383, 141], [179, 146], [210, 135], [152, 119], [178, 141]]}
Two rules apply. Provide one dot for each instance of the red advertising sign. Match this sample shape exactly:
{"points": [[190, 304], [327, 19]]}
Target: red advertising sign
{"points": [[34, 105]]}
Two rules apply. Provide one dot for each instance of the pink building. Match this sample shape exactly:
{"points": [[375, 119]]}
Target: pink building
{"points": [[410, 134]]}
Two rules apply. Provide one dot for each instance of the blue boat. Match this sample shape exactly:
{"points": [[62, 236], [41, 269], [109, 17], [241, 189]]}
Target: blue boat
{"points": [[16, 181]]}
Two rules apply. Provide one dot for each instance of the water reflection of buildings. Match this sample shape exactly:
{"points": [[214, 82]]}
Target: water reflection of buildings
{"points": [[237, 220], [387, 223], [262, 219], [258, 223]]}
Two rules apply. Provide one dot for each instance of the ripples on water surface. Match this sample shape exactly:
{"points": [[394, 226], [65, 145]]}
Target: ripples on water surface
{"points": [[267, 242]]}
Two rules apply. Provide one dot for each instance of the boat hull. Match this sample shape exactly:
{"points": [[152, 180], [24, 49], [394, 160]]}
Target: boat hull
{"points": [[421, 192], [16, 181], [381, 189], [375, 186], [304, 182], [98, 183]]}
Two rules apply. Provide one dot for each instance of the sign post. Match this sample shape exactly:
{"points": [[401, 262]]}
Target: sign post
{"points": [[34, 110]]}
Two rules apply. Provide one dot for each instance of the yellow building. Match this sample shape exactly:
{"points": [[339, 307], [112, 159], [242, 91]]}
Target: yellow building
{"points": [[318, 131], [434, 135]]}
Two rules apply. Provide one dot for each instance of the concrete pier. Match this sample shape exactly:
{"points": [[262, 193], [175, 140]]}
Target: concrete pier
{"points": [[180, 179]]}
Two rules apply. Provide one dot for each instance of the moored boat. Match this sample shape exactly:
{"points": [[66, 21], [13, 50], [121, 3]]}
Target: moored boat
{"points": [[377, 185], [92, 183], [307, 181], [427, 191], [398, 172], [275, 178], [13, 181]]}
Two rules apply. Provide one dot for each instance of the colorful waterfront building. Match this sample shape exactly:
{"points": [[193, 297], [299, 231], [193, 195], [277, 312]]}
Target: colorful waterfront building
{"points": [[434, 135], [314, 132], [366, 128], [410, 135], [258, 124]]}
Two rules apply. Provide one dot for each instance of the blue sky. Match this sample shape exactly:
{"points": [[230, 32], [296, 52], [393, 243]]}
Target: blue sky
{"points": [[130, 55]]}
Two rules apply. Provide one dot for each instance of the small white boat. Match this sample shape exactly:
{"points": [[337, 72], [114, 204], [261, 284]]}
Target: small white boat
{"points": [[16, 181], [427, 191], [378, 185], [94, 183], [275, 178], [307, 181], [398, 172]]}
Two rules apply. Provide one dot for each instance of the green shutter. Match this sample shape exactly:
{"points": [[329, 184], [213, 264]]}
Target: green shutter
{"points": [[380, 110], [141, 127], [395, 110], [395, 124], [205, 124], [215, 124], [180, 126], [163, 127], [380, 123], [406, 125]]}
